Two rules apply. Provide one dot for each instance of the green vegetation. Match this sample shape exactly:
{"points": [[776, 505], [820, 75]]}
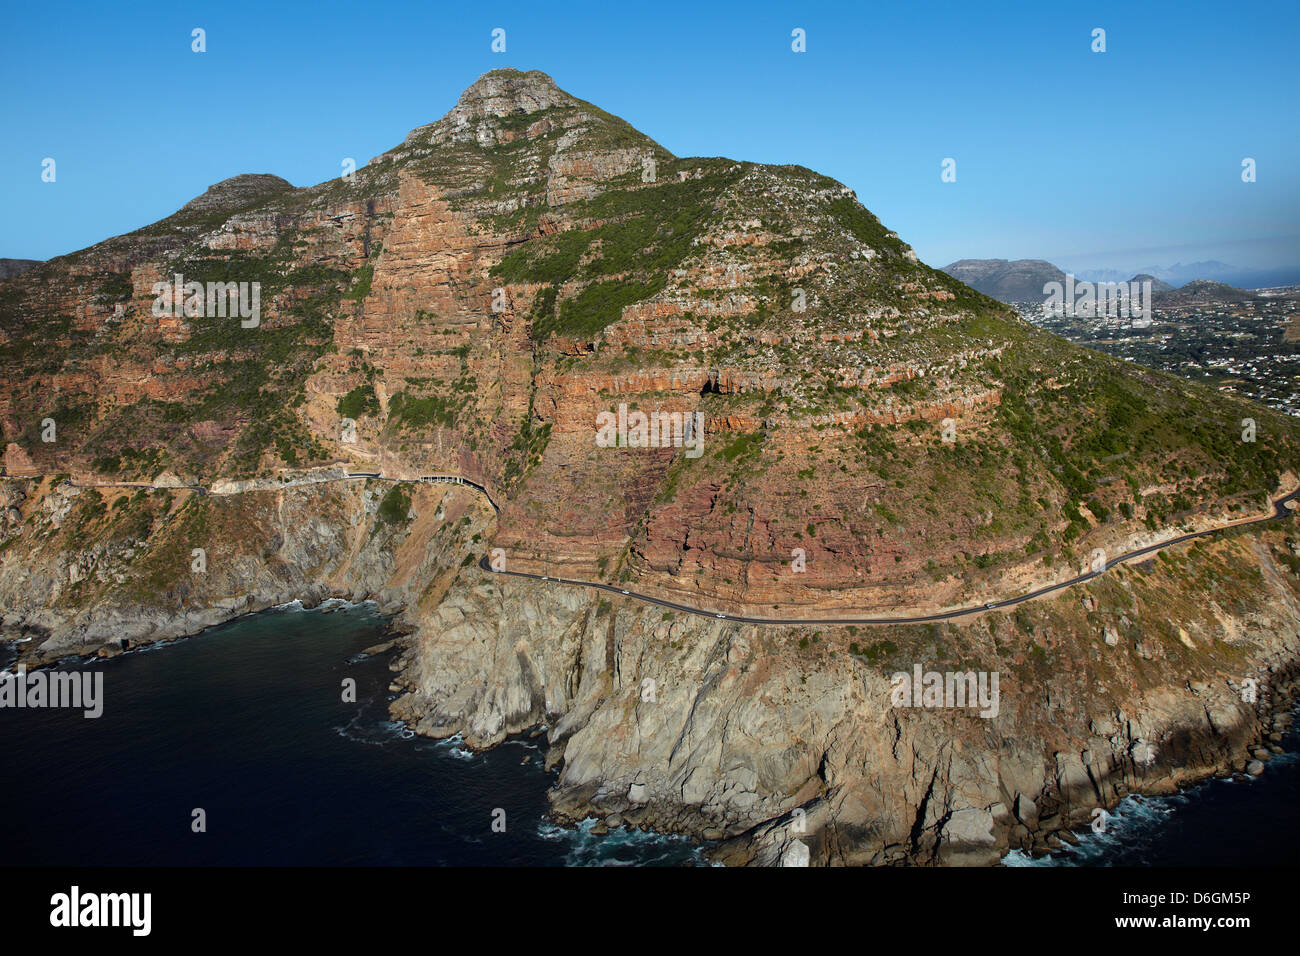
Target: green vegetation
{"points": [[361, 283], [527, 448], [742, 445], [394, 506], [408, 412], [876, 652], [645, 233], [417, 412], [595, 307], [360, 401], [164, 568], [116, 287], [863, 224]]}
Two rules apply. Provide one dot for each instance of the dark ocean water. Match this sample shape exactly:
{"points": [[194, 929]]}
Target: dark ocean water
{"points": [[246, 721]]}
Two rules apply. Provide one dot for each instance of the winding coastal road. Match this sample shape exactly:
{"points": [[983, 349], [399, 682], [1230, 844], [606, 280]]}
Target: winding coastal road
{"points": [[1279, 511], [350, 476]]}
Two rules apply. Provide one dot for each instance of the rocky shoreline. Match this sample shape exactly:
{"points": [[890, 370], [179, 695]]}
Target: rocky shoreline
{"points": [[770, 744], [1037, 829]]}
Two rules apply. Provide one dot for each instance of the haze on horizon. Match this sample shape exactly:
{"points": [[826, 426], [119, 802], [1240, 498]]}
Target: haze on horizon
{"points": [[1122, 159]]}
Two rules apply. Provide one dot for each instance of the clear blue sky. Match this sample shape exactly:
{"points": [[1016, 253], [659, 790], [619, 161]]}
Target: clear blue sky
{"points": [[1130, 155]]}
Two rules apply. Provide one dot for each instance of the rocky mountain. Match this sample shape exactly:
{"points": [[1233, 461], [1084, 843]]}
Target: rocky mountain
{"points": [[878, 439], [1201, 292], [1019, 280], [12, 267]]}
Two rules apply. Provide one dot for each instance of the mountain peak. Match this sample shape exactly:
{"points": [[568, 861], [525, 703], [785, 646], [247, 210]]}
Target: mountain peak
{"points": [[236, 191], [510, 92], [502, 106]]}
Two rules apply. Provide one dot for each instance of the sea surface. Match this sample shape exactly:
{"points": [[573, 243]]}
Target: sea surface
{"points": [[247, 722]]}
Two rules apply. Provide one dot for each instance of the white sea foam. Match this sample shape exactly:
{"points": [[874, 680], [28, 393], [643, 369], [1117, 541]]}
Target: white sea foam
{"points": [[329, 604], [454, 746], [588, 848], [375, 733], [344, 604]]}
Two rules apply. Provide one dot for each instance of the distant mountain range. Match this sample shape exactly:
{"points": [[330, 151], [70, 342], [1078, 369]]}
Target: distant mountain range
{"points": [[1022, 280], [1179, 274]]}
